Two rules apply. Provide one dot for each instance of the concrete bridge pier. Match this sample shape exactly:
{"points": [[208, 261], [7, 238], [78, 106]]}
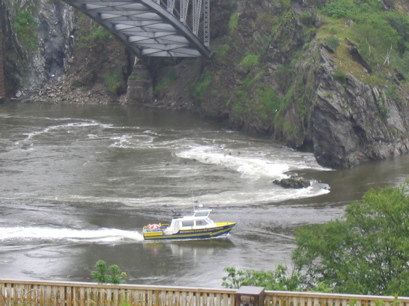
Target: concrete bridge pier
{"points": [[140, 87]]}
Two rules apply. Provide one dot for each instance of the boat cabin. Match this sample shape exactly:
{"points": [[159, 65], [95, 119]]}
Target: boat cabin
{"points": [[200, 219]]}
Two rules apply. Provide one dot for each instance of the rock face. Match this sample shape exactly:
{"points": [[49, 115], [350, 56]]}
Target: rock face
{"points": [[2, 56], [38, 52], [59, 55], [290, 85], [354, 122], [272, 75]]}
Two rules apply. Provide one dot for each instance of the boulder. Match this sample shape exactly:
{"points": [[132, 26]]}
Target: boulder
{"points": [[293, 182]]}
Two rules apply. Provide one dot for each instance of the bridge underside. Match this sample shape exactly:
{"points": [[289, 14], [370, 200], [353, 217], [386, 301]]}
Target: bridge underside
{"points": [[147, 27]]}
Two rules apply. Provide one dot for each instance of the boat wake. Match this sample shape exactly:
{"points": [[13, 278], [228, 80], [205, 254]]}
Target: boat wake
{"points": [[102, 235]]}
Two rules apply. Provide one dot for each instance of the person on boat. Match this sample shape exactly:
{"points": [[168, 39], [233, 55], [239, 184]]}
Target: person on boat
{"points": [[154, 227]]}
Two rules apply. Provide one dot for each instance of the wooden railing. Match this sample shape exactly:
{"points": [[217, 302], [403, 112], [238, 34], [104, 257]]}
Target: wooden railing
{"points": [[286, 298], [84, 294], [30, 293]]}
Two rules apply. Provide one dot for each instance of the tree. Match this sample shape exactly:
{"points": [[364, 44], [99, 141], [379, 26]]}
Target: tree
{"points": [[279, 279], [365, 252], [104, 274]]}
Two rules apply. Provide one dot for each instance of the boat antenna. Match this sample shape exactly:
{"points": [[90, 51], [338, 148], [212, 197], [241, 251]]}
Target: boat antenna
{"points": [[193, 200], [196, 202]]}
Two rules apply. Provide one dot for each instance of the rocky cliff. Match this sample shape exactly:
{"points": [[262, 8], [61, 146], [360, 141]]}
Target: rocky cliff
{"points": [[282, 69], [277, 72], [36, 43]]}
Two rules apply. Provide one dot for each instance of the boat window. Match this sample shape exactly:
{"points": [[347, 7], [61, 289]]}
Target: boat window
{"points": [[187, 223], [202, 213], [201, 222]]}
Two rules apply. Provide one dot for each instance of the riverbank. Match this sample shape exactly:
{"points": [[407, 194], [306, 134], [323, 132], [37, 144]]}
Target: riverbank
{"points": [[63, 93]]}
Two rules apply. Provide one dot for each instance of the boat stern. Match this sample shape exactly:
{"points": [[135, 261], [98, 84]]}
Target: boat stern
{"points": [[152, 235], [154, 231]]}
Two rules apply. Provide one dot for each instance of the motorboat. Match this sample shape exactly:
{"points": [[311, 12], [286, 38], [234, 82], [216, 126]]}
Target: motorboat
{"points": [[196, 226]]}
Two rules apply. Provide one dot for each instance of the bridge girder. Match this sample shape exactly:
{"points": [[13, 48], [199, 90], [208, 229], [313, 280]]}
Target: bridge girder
{"points": [[147, 27]]}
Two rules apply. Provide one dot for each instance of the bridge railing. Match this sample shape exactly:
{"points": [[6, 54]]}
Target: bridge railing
{"points": [[84, 294]]}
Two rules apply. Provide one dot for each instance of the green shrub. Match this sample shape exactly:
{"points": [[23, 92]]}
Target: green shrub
{"points": [[170, 78], [113, 81], [394, 93], [332, 42], [234, 22], [308, 18], [269, 99], [400, 22], [223, 50], [270, 104], [99, 33], [376, 36], [341, 77], [173, 75], [383, 109], [203, 83], [249, 61], [339, 8], [382, 36], [104, 274], [239, 108], [279, 279], [96, 34], [285, 3], [26, 29], [240, 102]]}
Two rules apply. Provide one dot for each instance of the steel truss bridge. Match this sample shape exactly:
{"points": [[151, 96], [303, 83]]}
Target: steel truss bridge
{"points": [[152, 27]]}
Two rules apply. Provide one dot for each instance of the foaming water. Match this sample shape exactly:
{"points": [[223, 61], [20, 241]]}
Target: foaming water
{"points": [[31, 233], [250, 163], [77, 184], [68, 127], [144, 166]]}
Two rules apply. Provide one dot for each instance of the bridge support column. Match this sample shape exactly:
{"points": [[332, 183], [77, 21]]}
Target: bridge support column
{"points": [[2, 50], [140, 87]]}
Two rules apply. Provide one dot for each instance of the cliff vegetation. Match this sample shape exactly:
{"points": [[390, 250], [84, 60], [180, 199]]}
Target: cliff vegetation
{"points": [[325, 76]]}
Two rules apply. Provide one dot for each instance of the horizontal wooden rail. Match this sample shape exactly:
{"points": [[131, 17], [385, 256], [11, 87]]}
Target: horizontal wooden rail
{"points": [[286, 298], [87, 294], [35, 293]]}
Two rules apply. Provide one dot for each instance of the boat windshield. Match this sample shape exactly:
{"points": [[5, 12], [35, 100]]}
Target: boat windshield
{"points": [[202, 213]]}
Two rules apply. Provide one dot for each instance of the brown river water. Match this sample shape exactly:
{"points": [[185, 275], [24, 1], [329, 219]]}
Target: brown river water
{"points": [[77, 184]]}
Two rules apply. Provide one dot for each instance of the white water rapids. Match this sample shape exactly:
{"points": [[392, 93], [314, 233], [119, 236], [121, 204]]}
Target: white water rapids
{"points": [[77, 184]]}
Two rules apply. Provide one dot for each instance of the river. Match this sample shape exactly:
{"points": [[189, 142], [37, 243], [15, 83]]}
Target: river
{"points": [[79, 182]]}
